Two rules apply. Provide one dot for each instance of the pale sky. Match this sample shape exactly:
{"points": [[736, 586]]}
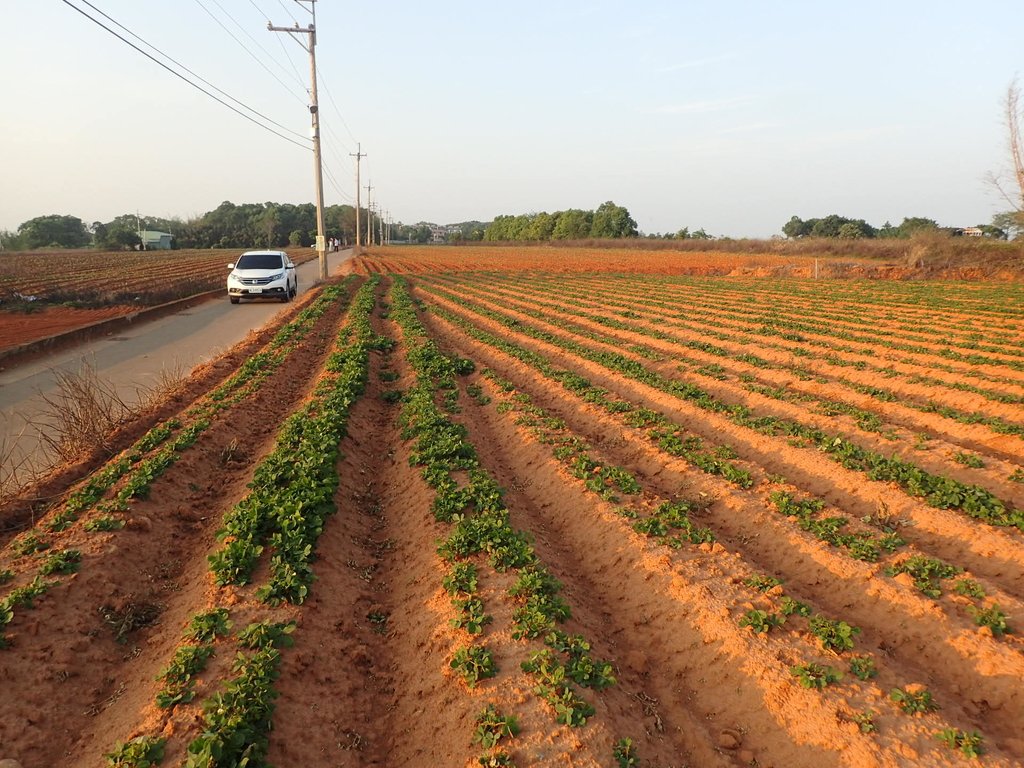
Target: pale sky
{"points": [[731, 115]]}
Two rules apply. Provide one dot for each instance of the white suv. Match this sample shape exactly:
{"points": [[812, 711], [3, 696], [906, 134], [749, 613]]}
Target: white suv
{"points": [[262, 275]]}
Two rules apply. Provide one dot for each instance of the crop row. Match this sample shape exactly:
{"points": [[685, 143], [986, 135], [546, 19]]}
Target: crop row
{"points": [[671, 524], [107, 494], [938, 491], [291, 496], [633, 302], [737, 351]]}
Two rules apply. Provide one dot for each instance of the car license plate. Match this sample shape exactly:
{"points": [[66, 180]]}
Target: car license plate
{"points": [[255, 290]]}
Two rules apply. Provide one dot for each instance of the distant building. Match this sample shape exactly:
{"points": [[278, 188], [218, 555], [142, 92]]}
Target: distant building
{"points": [[155, 241], [972, 232]]}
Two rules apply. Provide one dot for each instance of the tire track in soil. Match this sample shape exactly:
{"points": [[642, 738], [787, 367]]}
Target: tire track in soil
{"points": [[987, 551], [816, 575], [78, 688]]}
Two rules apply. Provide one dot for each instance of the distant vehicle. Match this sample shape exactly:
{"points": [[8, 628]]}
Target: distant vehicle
{"points": [[262, 275]]}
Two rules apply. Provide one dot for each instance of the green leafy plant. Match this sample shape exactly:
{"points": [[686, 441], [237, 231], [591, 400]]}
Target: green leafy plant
{"points": [[865, 721], [104, 523], [969, 588], [815, 675], [28, 544], [265, 634], [461, 580], [761, 621], [834, 635], [863, 667], [625, 753], [789, 607], [492, 727], [968, 743], [470, 615], [140, 752], [188, 661], [65, 561], [971, 460], [913, 702], [762, 583], [992, 617], [474, 663], [496, 760], [205, 627], [927, 573]]}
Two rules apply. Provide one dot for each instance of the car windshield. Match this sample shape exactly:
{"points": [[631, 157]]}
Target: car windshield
{"points": [[259, 261]]}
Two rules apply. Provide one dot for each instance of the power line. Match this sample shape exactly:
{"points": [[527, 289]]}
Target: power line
{"points": [[256, 58], [199, 88], [334, 104], [194, 74], [298, 77], [287, 12]]}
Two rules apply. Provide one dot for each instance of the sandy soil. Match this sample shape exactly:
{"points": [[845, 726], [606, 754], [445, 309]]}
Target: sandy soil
{"points": [[368, 679]]}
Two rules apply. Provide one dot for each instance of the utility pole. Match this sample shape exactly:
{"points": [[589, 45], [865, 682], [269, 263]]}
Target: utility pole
{"points": [[358, 156], [369, 214], [314, 110]]}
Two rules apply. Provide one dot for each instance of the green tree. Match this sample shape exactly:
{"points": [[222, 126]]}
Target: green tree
{"points": [[914, 224], [612, 221], [54, 230], [573, 224], [797, 227], [1011, 222]]}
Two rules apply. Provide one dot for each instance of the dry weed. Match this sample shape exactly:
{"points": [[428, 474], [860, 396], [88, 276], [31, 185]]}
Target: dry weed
{"points": [[81, 414]]}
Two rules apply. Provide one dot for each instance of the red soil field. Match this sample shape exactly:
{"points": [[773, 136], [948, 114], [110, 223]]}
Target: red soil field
{"points": [[691, 517]]}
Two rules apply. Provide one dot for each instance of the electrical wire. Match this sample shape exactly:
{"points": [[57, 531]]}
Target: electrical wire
{"points": [[255, 58], [287, 12], [195, 74], [330, 97], [199, 88], [298, 77]]}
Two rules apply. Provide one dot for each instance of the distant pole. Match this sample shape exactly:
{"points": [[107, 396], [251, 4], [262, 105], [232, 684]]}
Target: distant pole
{"points": [[314, 110], [369, 213], [358, 156]]}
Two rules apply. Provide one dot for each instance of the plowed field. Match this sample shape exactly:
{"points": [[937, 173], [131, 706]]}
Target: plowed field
{"points": [[541, 517]]}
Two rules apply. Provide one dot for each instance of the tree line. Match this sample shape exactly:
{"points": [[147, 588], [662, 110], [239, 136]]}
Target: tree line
{"points": [[608, 221], [852, 229], [247, 225]]}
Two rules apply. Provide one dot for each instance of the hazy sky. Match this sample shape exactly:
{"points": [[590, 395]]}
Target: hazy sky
{"points": [[727, 115]]}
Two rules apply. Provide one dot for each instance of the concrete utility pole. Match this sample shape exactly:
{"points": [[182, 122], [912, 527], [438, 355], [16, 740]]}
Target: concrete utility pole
{"points": [[358, 156], [314, 110], [369, 214]]}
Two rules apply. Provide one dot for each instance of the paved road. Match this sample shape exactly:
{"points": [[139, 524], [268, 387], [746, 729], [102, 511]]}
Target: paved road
{"points": [[132, 362]]}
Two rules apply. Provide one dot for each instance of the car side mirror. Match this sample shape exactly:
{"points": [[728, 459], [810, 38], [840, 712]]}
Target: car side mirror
{"points": [[231, 266]]}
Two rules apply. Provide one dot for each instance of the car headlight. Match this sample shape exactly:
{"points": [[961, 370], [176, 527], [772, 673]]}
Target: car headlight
{"points": [[278, 276]]}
